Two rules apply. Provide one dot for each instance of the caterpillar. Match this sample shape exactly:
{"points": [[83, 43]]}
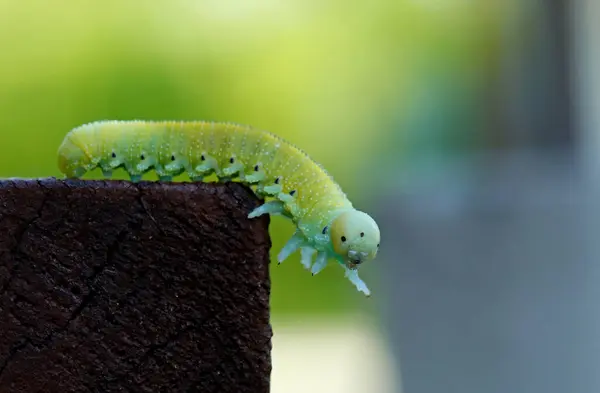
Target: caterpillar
{"points": [[284, 176]]}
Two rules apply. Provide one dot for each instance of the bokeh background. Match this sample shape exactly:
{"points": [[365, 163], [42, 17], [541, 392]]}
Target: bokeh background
{"points": [[469, 129]]}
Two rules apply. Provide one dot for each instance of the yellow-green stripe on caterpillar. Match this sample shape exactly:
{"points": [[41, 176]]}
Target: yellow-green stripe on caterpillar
{"points": [[296, 186]]}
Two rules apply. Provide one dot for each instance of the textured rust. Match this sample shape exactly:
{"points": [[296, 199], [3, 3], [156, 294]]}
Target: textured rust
{"points": [[107, 286]]}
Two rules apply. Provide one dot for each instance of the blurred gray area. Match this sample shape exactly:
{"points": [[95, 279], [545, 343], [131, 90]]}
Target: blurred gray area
{"points": [[493, 288], [491, 259]]}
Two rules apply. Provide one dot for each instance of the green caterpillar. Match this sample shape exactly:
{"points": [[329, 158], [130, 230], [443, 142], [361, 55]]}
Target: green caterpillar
{"points": [[297, 187]]}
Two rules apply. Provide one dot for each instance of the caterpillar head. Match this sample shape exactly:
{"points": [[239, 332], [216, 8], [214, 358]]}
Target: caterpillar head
{"points": [[355, 237]]}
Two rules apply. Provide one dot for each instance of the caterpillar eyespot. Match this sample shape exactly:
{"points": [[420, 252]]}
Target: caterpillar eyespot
{"points": [[327, 224]]}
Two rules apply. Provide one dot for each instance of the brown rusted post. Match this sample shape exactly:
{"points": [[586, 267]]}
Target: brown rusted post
{"points": [[108, 286]]}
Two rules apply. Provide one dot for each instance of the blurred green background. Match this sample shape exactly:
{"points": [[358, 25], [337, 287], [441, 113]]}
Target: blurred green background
{"points": [[363, 87]]}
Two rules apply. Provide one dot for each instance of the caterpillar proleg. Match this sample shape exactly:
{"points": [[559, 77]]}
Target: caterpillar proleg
{"points": [[295, 186]]}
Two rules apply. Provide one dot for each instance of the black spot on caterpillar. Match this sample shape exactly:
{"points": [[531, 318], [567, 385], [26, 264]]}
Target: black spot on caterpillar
{"points": [[296, 186]]}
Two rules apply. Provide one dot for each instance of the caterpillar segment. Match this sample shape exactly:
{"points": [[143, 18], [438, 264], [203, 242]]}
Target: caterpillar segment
{"points": [[292, 184]]}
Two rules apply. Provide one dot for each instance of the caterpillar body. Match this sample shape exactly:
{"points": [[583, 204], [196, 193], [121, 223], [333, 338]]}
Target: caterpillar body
{"points": [[291, 183]]}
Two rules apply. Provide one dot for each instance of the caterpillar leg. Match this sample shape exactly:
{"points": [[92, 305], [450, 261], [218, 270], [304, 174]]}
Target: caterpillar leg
{"points": [[255, 177], [175, 168], [260, 191], [286, 198], [352, 275], [320, 263], [290, 202], [295, 242], [306, 255], [271, 207], [165, 178], [272, 190], [208, 166], [135, 178], [234, 169], [107, 173]]}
